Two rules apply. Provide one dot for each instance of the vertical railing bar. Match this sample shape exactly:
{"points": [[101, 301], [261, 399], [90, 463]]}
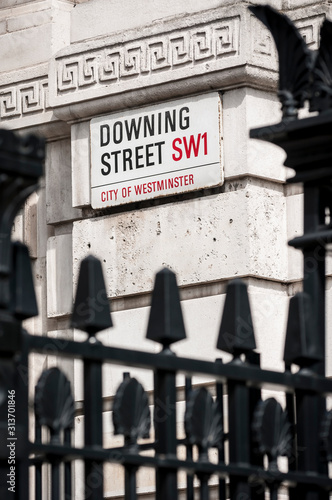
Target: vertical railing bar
{"points": [[55, 471], [189, 448], [290, 407], [165, 431], [311, 407], [93, 428], [130, 483], [204, 488], [130, 471], [68, 468], [21, 383], [221, 448], [239, 435], [273, 489], [55, 481], [203, 478], [292, 460], [38, 467], [257, 490]]}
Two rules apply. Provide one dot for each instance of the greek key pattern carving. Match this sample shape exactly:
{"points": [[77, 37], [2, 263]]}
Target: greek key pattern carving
{"points": [[22, 99], [310, 30], [149, 56], [263, 43]]}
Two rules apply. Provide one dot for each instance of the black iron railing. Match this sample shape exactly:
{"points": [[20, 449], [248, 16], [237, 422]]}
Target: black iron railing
{"points": [[250, 434]]}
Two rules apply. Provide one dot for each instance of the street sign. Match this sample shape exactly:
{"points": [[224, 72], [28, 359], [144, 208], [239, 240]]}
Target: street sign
{"points": [[155, 151]]}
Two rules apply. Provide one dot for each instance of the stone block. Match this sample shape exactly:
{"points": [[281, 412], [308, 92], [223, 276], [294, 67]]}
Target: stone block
{"points": [[31, 46], [294, 201], [294, 4], [34, 34], [3, 27], [80, 154], [39, 324], [17, 229], [36, 231], [58, 183], [244, 109], [100, 17], [61, 26], [191, 238], [13, 3], [59, 275], [237, 233], [29, 20], [266, 223], [269, 309], [294, 204], [30, 225]]}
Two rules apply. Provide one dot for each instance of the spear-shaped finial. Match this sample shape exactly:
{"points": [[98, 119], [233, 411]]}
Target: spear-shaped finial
{"points": [[166, 322], [236, 334], [299, 348], [91, 312]]}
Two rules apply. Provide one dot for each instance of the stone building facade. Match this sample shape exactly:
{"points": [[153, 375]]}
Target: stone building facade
{"points": [[66, 62]]}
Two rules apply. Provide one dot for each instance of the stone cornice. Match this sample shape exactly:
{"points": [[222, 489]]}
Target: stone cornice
{"points": [[24, 93], [169, 59], [216, 49], [24, 102]]}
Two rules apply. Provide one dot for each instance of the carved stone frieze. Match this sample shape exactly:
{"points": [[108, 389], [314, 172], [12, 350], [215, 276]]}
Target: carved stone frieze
{"points": [[17, 100], [24, 103], [141, 59], [309, 29], [263, 44], [220, 48]]}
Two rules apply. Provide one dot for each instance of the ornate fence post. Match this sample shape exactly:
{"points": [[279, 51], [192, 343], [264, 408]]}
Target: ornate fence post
{"points": [[21, 160], [91, 314], [305, 75], [165, 327]]}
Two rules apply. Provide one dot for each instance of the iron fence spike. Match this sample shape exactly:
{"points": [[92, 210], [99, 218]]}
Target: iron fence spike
{"points": [[166, 324], [300, 328], [236, 334], [91, 312]]}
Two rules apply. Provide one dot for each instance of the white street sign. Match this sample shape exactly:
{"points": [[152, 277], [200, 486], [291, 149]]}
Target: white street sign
{"points": [[165, 149]]}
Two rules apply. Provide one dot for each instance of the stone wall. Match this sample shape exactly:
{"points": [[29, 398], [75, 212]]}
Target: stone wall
{"points": [[65, 62]]}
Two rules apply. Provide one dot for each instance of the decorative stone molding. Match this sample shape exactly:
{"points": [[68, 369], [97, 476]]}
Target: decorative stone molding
{"points": [[144, 58], [309, 29], [220, 48], [20, 99], [263, 45], [24, 103], [179, 50]]}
